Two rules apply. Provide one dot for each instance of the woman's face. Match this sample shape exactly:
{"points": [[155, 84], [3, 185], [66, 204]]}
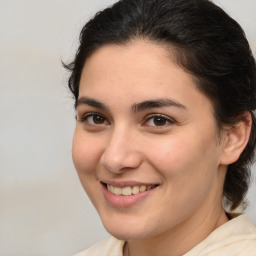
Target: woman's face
{"points": [[146, 146]]}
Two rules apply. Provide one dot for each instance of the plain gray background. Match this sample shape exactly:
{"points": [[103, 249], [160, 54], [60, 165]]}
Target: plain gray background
{"points": [[43, 208]]}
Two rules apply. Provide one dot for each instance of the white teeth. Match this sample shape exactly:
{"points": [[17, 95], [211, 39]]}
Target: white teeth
{"points": [[135, 190], [149, 187], [128, 191], [117, 191], [143, 188]]}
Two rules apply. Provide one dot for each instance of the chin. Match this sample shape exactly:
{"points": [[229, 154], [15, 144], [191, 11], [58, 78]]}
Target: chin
{"points": [[127, 234], [128, 230]]}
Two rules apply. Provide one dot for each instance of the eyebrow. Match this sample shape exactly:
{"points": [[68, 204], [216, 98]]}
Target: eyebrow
{"points": [[157, 103], [90, 102], [137, 107]]}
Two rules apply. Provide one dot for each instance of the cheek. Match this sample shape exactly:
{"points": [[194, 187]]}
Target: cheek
{"points": [[181, 156], [85, 153], [169, 154]]}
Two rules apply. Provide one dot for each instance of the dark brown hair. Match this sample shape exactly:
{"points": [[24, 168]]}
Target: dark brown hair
{"points": [[209, 44]]}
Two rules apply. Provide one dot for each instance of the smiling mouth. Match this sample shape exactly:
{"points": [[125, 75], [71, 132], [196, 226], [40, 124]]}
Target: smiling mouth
{"points": [[129, 190]]}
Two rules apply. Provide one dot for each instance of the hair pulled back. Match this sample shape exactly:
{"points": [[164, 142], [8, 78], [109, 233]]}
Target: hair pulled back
{"points": [[208, 44]]}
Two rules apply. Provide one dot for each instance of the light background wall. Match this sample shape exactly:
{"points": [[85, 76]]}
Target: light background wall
{"points": [[43, 209]]}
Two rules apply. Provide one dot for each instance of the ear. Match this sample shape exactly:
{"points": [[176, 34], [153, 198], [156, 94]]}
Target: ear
{"points": [[235, 139]]}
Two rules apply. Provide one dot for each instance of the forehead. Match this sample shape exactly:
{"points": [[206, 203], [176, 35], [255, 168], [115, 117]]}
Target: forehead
{"points": [[131, 60], [136, 72]]}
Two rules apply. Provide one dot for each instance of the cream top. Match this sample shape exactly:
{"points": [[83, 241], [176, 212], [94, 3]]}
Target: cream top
{"points": [[237, 237]]}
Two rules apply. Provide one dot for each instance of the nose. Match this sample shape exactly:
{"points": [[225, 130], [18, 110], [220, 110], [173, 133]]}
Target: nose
{"points": [[121, 152]]}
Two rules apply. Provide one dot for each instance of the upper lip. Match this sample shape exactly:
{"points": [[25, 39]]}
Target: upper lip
{"points": [[122, 184]]}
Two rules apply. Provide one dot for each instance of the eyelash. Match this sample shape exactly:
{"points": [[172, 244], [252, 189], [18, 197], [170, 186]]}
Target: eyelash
{"points": [[164, 118], [85, 118], [167, 121]]}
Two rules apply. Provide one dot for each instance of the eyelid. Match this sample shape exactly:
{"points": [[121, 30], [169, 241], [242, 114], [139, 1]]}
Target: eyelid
{"points": [[168, 119], [82, 118], [89, 114]]}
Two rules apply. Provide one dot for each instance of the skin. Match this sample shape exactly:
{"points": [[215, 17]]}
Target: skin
{"points": [[182, 152]]}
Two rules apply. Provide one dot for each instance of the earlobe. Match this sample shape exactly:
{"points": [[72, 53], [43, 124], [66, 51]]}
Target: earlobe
{"points": [[236, 139]]}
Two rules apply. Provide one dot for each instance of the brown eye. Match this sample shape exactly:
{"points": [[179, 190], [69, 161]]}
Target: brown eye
{"points": [[94, 119], [97, 119], [158, 121]]}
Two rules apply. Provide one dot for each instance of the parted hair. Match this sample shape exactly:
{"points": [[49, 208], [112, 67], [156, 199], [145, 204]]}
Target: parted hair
{"points": [[208, 44]]}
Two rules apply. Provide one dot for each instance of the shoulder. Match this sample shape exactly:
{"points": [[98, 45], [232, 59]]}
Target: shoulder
{"points": [[108, 247], [237, 237]]}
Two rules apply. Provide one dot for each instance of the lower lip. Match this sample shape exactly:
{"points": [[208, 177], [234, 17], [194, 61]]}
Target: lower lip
{"points": [[125, 201]]}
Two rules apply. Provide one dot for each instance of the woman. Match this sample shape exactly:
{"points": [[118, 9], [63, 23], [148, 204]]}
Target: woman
{"points": [[164, 94]]}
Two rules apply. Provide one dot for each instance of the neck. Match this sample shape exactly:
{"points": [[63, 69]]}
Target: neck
{"points": [[180, 239]]}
